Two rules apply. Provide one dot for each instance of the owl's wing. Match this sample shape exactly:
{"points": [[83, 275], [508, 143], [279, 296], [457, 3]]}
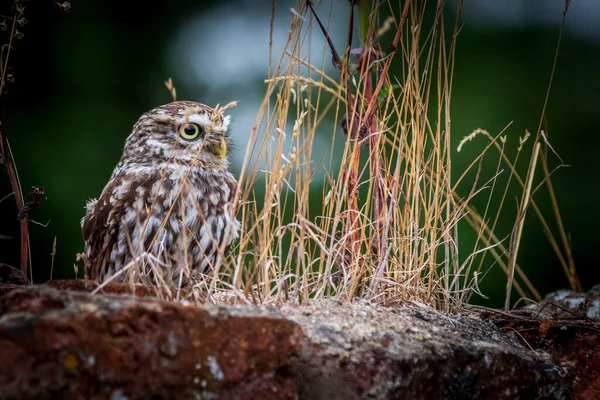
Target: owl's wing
{"points": [[100, 232]]}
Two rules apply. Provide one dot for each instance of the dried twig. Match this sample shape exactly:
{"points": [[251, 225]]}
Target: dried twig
{"points": [[8, 161]]}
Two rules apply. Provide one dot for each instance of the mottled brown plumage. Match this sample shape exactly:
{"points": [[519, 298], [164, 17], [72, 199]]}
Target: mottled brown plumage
{"points": [[169, 196]]}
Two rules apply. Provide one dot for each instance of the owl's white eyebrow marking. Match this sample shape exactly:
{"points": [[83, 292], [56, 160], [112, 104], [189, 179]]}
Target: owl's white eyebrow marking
{"points": [[204, 120], [201, 119]]}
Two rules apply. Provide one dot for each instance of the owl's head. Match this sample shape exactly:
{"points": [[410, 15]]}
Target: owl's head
{"points": [[180, 133]]}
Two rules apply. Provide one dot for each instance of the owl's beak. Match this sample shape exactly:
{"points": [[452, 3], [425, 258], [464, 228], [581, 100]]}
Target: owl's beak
{"points": [[221, 150]]}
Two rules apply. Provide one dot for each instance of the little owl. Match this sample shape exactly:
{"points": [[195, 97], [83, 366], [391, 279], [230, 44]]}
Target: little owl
{"points": [[169, 197]]}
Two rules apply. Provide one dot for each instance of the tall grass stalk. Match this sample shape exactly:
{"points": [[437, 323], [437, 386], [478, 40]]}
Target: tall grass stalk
{"points": [[380, 216]]}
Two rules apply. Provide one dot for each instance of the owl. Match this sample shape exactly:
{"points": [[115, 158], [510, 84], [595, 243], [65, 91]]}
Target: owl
{"points": [[169, 199]]}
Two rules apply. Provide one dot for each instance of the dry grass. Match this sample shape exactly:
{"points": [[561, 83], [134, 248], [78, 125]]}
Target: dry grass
{"points": [[385, 224]]}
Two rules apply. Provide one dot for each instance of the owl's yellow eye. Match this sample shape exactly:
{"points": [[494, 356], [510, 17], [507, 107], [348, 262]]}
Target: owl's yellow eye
{"points": [[189, 131]]}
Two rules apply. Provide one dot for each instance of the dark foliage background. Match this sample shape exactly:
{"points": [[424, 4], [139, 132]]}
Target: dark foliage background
{"points": [[81, 80]]}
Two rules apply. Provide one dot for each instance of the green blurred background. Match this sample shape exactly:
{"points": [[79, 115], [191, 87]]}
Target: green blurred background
{"points": [[81, 79]]}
